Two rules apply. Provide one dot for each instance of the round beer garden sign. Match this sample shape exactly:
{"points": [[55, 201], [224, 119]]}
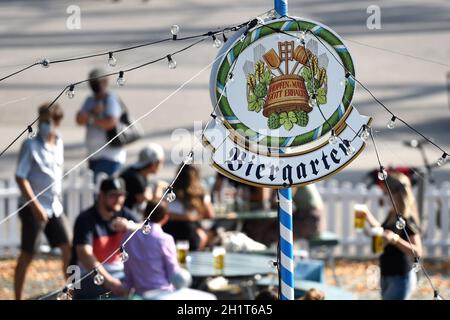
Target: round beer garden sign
{"points": [[281, 91]]}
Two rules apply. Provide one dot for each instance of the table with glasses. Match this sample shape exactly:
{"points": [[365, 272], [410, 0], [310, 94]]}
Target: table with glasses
{"points": [[241, 268]]}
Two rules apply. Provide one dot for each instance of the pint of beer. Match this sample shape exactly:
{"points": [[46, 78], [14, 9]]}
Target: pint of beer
{"points": [[219, 258], [359, 210], [377, 240], [182, 251]]}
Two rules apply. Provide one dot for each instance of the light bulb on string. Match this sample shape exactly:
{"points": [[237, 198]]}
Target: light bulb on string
{"points": [[382, 174], [123, 255], [146, 228], [391, 123], [216, 42], [365, 134], [112, 61], [442, 160], [272, 263], [346, 79], [333, 138], [170, 197], [231, 77], [31, 133], [45, 63], [99, 279], [121, 79], [400, 224], [174, 31], [189, 159], [312, 102], [437, 296], [416, 265], [349, 149], [302, 37], [63, 295], [71, 92], [172, 63]]}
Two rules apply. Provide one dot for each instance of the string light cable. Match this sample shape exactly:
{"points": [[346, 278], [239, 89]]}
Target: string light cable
{"points": [[70, 89], [112, 61], [401, 223], [169, 195]]}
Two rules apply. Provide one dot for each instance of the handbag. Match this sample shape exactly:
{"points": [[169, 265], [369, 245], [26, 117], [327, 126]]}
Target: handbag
{"points": [[130, 135]]}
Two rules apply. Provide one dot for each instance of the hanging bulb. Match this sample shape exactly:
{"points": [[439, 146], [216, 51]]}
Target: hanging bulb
{"points": [[346, 79], [31, 133], [123, 255], [333, 138], [312, 102], [71, 92], [63, 295], [112, 61], [170, 197], [442, 160], [172, 63], [231, 77], [146, 228], [382, 174], [349, 148], [224, 37], [121, 79], [45, 63], [437, 296], [98, 278], [189, 159], [416, 265], [302, 37], [216, 42], [365, 134], [174, 31], [272, 263], [400, 224], [391, 123]]}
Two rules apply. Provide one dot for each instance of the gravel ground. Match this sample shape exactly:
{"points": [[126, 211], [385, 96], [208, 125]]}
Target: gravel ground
{"points": [[359, 277]]}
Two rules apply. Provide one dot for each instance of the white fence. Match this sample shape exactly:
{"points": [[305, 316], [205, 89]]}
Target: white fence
{"points": [[338, 198]]}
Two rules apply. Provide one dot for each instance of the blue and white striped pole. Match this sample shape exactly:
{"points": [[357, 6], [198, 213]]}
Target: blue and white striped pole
{"points": [[285, 216], [286, 243]]}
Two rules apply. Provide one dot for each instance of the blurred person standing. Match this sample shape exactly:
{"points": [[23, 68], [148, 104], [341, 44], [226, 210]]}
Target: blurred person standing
{"points": [[39, 166], [398, 280], [101, 113]]}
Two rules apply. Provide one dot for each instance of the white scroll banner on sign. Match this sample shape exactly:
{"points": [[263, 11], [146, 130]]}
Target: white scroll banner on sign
{"points": [[240, 163]]}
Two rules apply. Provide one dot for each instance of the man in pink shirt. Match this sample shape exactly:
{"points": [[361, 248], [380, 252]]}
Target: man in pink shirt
{"points": [[153, 256]]}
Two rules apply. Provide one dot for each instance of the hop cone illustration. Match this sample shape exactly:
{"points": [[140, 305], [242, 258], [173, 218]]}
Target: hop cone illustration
{"points": [[302, 118]]}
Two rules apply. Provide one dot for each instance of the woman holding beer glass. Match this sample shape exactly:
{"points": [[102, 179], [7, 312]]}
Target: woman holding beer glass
{"points": [[398, 279]]}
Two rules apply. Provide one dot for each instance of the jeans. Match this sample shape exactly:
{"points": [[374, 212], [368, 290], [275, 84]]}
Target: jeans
{"points": [[398, 287], [103, 165]]}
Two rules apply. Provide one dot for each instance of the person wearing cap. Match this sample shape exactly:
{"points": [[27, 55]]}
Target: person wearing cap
{"points": [[101, 113], [39, 176], [98, 232], [150, 161]]}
